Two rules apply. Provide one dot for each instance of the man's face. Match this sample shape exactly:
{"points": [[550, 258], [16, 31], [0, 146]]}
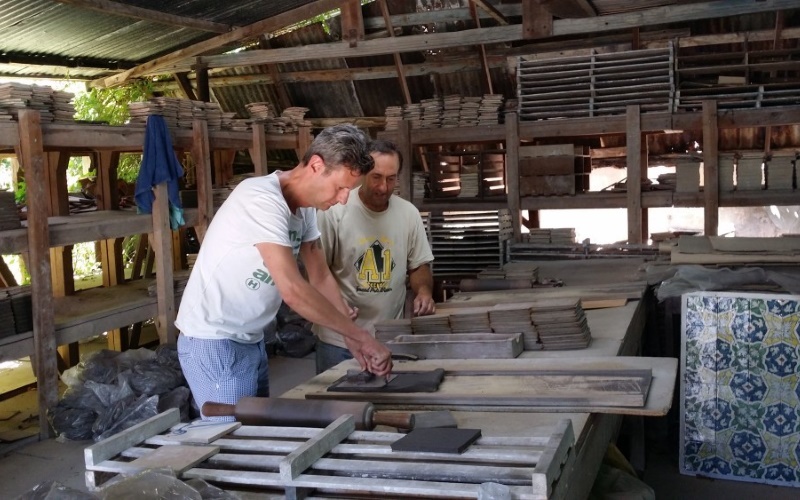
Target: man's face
{"points": [[334, 187], [379, 183]]}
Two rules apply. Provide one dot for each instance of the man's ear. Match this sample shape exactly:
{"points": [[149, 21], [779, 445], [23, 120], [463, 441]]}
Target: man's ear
{"points": [[316, 163]]}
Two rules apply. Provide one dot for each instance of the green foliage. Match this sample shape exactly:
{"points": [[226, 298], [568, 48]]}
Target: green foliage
{"points": [[20, 193], [110, 105]]}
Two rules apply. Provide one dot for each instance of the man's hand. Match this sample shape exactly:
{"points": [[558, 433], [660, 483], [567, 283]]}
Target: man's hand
{"points": [[424, 305], [371, 355], [352, 312]]}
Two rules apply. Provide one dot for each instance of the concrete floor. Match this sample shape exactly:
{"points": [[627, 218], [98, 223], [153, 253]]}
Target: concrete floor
{"points": [[32, 462]]}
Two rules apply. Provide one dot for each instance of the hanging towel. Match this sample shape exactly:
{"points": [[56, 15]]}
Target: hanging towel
{"points": [[159, 164]]}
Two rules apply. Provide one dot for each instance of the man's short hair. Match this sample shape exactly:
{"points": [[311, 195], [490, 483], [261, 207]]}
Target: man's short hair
{"points": [[385, 147], [342, 145]]}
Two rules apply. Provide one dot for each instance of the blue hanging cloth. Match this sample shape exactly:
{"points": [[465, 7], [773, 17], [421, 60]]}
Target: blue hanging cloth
{"points": [[159, 164]]}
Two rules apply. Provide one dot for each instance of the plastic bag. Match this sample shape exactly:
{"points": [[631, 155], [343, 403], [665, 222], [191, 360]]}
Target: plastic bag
{"points": [[155, 484], [151, 377], [73, 416], [100, 367], [296, 341], [209, 492], [177, 398], [698, 278], [53, 490], [124, 414]]}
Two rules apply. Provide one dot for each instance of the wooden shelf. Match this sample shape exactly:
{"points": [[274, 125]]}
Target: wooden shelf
{"points": [[90, 312], [126, 138], [87, 226]]}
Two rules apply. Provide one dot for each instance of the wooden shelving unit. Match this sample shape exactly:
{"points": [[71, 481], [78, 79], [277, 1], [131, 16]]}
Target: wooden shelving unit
{"points": [[67, 319], [635, 123]]}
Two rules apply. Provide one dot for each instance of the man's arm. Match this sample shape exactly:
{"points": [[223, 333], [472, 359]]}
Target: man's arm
{"points": [[304, 299], [320, 277], [421, 280]]}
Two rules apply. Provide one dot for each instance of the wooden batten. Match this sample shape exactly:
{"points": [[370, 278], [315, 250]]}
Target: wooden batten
{"points": [[31, 155], [202, 161], [162, 245]]}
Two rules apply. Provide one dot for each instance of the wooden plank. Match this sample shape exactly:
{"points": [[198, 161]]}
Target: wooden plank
{"points": [[711, 168], [202, 160], [512, 172], [200, 431], [162, 246], [116, 444], [258, 153], [299, 460], [31, 156], [256, 29], [548, 470], [177, 458], [636, 149], [547, 165], [458, 345], [352, 22], [541, 389]]}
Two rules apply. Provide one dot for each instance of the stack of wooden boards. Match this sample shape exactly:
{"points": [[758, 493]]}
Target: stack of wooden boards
{"points": [[16, 313], [511, 271], [555, 169], [738, 250], [53, 105], [550, 324], [336, 461], [9, 215]]}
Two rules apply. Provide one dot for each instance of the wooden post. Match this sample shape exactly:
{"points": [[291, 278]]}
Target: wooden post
{"points": [[634, 182], [161, 243], [711, 168], [352, 22], [205, 191], [258, 153], [537, 21], [107, 190], [114, 274], [404, 147], [203, 88], [512, 172], [304, 139], [31, 155]]}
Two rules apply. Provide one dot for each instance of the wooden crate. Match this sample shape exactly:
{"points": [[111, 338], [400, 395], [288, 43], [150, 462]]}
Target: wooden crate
{"points": [[335, 460], [466, 242], [556, 169]]}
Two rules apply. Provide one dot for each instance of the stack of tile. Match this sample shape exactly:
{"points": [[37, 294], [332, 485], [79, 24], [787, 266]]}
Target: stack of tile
{"points": [[412, 113], [538, 236], [388, 329], [22, 307], [52, 105], [521, 271], [166, 107], [9, 216], [562, 235], [470, 320], [394, 115], [179, 282], [469, 181], [430, 325], [515, 318], [431, 113], [469, 111], [488, 112], [668, 180], [7, 328], [781, 172], [419, 181], [451, 111], [492, 273], [261, 111], [561, 324], [228, 120], [213, 115], [749, 172]]}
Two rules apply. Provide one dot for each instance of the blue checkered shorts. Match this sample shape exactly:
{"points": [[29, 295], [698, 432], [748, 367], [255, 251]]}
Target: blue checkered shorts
{"points": [[223, 371]]}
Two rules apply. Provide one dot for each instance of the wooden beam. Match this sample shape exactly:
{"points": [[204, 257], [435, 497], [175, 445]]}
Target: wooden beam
{"points": [[276, 77], [6, 276], [452, 65], [486, 76], [352, 22], [258, 28], [201, 79], [124, 10], [711, 168], [441, 16], [31, 156], [403, 144], [587, 7], [489, 9], [161, 243], [498, 34], [202, 161], [185, 86], [398, 62], [634, 182], [537, 21], [258, 153]]}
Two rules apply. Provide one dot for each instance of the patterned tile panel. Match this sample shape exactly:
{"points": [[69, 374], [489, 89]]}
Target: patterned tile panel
{"points": [[740, 388]]}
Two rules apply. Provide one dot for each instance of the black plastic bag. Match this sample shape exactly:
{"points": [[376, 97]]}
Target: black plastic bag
{"points": [[296, 341]]}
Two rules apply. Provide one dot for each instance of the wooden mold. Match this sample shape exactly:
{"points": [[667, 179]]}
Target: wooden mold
{"points": [[342, 462], [458, 345]]}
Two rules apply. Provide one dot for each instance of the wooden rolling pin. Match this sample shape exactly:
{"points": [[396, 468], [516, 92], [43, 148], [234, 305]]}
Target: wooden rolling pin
{"points": [[306, 413]]}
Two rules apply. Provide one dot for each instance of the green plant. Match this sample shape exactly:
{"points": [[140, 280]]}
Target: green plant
{"points": [[110, 105]]}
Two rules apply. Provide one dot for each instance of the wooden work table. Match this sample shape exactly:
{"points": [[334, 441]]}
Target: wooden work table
{"points": [[615, 331]]}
